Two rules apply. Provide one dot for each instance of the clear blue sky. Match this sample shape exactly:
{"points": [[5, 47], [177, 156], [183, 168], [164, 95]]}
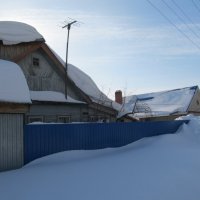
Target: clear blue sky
{"points": [[121, 44]]}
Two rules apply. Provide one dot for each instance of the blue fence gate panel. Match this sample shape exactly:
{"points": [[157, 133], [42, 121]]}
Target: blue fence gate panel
{"points": [[44, 139]]}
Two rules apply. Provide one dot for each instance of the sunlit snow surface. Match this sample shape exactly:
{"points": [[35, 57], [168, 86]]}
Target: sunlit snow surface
{"points": [[16, 32], [52, 96], [13, 85], [159, 103], [157, 168]]}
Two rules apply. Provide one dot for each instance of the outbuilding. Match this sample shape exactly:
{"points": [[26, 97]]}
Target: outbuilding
{"points": [[14, 103]]}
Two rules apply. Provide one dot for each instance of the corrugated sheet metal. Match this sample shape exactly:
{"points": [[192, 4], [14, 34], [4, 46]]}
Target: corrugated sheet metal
{"points": [[11, 141], [44, 139]]}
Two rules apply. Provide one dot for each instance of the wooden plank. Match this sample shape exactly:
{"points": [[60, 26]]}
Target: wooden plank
{"points": [[29, 50], [13, 108]]}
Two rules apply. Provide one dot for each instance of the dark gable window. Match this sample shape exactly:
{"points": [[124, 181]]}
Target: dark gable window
{"points": [[36, 61]]}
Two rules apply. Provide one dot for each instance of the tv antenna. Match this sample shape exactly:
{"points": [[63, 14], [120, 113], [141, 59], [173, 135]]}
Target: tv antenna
{"points": [[68, 26]]}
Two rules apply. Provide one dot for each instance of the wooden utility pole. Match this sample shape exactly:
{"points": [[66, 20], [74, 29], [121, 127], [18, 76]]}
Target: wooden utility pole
{"points": [[66, 63]]}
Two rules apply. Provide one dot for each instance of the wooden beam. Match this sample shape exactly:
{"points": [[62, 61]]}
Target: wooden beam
{"points": [[103, 108], [52, 56], [13, 108]]}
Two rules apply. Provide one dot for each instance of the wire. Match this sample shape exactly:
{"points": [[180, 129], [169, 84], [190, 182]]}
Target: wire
{"points": [[180, 18], [177, 28], [196, 6], [184, 13]]}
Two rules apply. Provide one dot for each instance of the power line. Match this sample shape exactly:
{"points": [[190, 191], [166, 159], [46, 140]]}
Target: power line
{"points": [[196, 6], [177, 28], [185, 14], [180, 18]]}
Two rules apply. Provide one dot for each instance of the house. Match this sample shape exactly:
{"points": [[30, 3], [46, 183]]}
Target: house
{"points": [[14, 103], [45, 74], [165, 105]]}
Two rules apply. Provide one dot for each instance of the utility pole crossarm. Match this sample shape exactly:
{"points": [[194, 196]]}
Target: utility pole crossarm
{"points": [[69, 24]]}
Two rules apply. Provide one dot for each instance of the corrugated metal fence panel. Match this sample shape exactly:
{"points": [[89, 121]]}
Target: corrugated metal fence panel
{"points": [[11, 141], [45, 139]]}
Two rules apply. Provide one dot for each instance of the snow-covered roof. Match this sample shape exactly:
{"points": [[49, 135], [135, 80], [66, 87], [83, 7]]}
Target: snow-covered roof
{"points": [[88, 86], [52, 96], [85, 83], [13, 85], [159, 103], [16, 32]]}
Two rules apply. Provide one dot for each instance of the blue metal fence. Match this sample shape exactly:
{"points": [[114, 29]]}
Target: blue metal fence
{"points": [[44, 139]]}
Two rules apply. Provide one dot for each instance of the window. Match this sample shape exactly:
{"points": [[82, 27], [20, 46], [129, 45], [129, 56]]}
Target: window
{"points": [[36, 61], [93, 118], [197, 102], [32, 119], [64, 119]]}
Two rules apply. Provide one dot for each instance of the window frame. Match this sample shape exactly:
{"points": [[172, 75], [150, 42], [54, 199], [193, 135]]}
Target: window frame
{"points": [[67, 119]]}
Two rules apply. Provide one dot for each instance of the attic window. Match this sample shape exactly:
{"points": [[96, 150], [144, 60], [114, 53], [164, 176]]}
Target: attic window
{"points": [[36, 61]]}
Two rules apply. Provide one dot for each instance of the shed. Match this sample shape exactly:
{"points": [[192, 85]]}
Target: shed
{"points": [[14, 103], [164, 105], [45, 72]]}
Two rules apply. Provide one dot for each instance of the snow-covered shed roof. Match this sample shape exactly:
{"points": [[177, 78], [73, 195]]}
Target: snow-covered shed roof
{"points": [[13, 85], [17, 32], [159, 103], [52, 96]]}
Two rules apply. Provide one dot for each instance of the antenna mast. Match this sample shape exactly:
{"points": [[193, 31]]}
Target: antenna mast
{"points": [[68, 26]]}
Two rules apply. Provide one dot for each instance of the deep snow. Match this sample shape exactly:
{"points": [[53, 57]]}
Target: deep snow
{"points": [[164, 167]]}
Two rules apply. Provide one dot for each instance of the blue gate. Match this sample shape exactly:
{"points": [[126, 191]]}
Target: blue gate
{"points": [[44, 139]]}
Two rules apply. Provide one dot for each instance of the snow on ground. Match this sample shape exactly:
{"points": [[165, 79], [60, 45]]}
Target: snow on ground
{"points": [[16, 32], [13, 85], [157, 168]]}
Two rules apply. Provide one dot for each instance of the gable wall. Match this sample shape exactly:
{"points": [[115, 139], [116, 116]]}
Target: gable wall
{"points": [[46, 77], [195, 104], [42, 77], [8, 52]]}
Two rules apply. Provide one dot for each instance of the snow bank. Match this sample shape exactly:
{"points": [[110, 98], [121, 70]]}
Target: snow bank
{"points": [[52, 96], [16, 32], [159, 168], [13, 85]]}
